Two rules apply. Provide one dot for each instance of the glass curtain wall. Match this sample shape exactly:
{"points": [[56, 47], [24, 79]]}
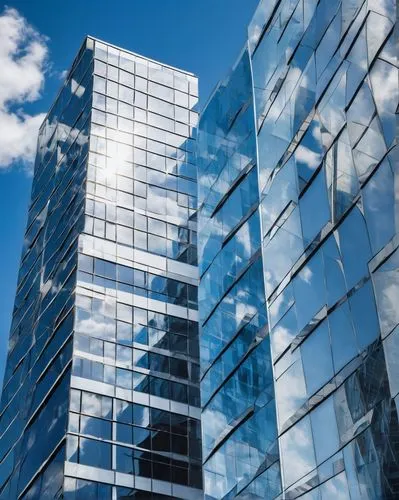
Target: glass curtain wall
{"points": [[238, 408], [34, 405], [325, 90], [109, 281], [134, 409]]}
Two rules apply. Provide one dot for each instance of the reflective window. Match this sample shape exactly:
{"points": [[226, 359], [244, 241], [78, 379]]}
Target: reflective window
{"points": [[380, 206], [298, 457], [94, 453], [315, 196], [364, 315], [354, 247], [343, 339], [326, 443], [318, 369]]}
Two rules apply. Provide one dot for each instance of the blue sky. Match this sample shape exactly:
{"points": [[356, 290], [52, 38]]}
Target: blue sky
{"points": [[201, 36]]}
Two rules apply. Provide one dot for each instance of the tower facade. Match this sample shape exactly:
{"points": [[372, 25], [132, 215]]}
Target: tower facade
{"points": [[101, 390], [298, 251]]}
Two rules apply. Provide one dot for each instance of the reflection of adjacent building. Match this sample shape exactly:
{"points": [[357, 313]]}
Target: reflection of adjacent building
{"points": [[298, 251], [101, 396]]}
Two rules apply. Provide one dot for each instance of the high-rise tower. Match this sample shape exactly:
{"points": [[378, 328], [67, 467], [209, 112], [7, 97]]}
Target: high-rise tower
{"points": [[101, 396], [299, 258]]}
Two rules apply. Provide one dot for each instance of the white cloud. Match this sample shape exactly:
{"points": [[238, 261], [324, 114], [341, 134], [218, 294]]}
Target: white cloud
{"points": [[18, 137], [307, 156], [23, 60], [306, 275], [63, 74]]}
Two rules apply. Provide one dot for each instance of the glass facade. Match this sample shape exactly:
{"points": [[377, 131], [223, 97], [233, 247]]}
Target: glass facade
{"points": [[101, 391], [298, 258]]}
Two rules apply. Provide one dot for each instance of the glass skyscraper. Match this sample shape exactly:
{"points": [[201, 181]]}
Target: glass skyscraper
{"points": [[101, 390], [299, 260]]}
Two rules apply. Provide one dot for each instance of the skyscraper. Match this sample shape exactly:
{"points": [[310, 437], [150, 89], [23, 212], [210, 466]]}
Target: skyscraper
{"points": [[101, 396], [298, 254]]}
